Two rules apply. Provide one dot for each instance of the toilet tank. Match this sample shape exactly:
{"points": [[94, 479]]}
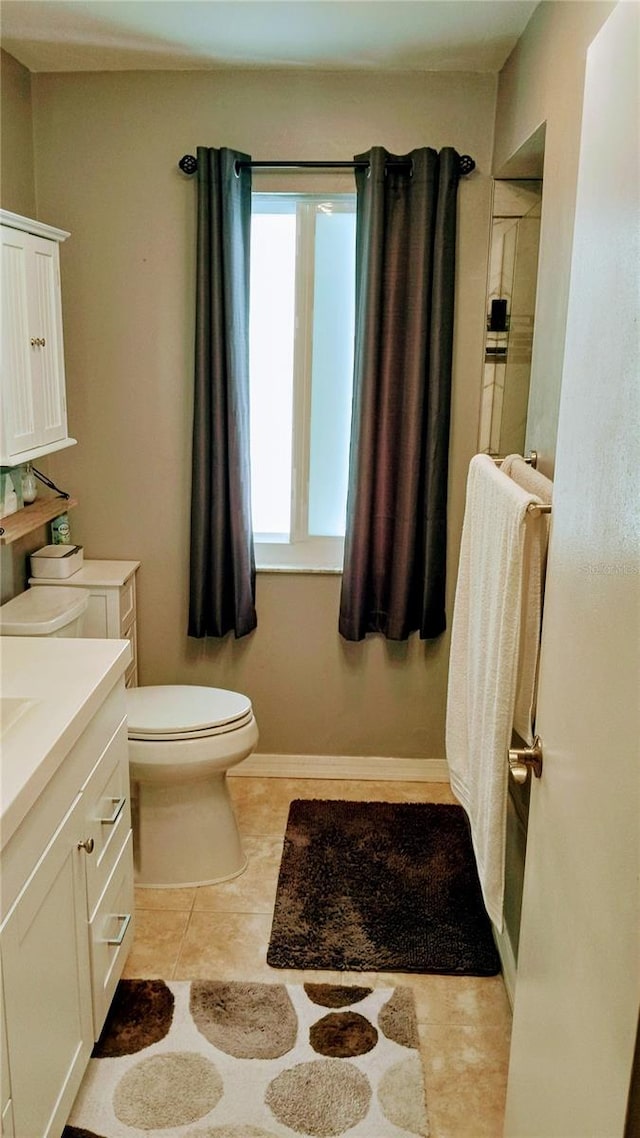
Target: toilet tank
{"points": [[45, 611]]}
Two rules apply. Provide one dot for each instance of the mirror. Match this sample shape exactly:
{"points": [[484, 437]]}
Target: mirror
{"points": [[511, 295]]}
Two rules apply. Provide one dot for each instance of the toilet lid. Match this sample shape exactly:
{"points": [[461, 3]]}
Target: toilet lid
{"points": [[183, 711], [42, 610]]}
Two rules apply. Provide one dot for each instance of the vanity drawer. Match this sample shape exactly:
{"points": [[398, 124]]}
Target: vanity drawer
{"points": [[111, 934], [106, 814], [127, 604]]}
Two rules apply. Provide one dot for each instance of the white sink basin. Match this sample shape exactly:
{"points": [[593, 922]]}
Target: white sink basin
{"points": [[11, 710]]}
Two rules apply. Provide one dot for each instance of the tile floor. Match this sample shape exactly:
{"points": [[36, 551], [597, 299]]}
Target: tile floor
{"points": [[222, 932]]}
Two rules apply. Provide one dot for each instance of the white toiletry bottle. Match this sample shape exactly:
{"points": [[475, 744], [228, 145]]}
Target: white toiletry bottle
{"points": [[29, 485], [10, 501]]}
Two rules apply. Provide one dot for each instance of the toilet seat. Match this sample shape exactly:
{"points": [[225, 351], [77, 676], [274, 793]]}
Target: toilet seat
{"points": [[170, 713]]}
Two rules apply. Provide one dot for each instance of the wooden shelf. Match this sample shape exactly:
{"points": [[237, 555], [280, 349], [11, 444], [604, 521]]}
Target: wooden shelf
{"points": [[24, 521]]}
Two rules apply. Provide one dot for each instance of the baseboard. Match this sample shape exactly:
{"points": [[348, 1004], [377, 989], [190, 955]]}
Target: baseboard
{"points": [[507, 959], [360, 767]]}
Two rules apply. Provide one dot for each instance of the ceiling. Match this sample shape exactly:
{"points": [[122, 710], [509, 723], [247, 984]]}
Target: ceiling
{"points": [[123, 35]]}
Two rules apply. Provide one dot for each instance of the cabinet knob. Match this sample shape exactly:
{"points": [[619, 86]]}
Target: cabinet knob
{"points": [[38, 342], [87, 845]]}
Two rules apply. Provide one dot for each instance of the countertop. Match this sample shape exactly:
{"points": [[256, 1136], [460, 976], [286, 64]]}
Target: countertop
{"points": [[50, 689], [99, 574]]}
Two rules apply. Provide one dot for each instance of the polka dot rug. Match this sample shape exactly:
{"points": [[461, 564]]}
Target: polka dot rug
{"points": [[206, 1059]]}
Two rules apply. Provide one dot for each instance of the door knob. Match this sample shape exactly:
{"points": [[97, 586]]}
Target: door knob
{"points": [[524, 759], [87, 845]]}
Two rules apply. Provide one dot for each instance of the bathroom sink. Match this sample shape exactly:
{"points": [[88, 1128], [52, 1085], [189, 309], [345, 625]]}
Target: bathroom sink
{"points": [[11, 710]]}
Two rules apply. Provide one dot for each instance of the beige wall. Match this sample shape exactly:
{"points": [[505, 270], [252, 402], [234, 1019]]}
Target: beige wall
{"points": [[17, 194], [17, 175], [107, 147], [543, 82]]}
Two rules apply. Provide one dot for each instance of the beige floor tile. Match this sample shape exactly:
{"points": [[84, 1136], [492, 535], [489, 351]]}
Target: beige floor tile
{"points": [[466, 1079], [225, 946], [156, 945], [233, 946], [379, 790], [460, 1000], [262, 805], [180, 899], [442, 1000], [222, 932], [254, 890]]}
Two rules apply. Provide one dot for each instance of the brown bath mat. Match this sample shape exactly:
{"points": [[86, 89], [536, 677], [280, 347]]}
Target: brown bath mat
{"points": [[378, 886]]}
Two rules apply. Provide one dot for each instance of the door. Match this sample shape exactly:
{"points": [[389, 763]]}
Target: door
{"points": [[577, 992]]}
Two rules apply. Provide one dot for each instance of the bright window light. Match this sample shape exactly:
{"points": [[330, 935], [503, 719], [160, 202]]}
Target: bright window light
{"points": [[332, 372], [301, 365], [271, 335]]}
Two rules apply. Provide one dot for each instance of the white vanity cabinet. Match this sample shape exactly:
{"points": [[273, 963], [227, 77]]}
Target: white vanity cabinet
{"points": [[7, 1129], [45, 960], [67, 902], [111, 611], [32, 377]]}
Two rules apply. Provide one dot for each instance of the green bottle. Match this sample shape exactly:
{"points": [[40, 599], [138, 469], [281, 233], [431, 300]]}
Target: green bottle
{"points": [[61, 530]]}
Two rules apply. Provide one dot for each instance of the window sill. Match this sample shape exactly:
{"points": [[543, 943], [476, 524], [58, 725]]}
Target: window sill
{"points": [[313, 555], [322, 571]]}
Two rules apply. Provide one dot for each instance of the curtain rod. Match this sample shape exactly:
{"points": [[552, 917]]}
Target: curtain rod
{"points": [[188, 164]]}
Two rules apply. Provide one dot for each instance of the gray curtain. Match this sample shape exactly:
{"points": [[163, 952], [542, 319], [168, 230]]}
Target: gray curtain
{"points": [[222, 582], [395, 546]]}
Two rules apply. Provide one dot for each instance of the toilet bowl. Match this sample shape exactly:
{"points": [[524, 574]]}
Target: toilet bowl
{"points": [[182, 741]]}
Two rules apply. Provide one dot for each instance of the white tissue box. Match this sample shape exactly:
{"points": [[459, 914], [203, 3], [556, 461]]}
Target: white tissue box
{"points": [[56, 561]]}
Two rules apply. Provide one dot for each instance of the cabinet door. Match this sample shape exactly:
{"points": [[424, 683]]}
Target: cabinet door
{"points": [[46, 323], [21, 428], [45, 962], [7, 1129], [33, 390]]}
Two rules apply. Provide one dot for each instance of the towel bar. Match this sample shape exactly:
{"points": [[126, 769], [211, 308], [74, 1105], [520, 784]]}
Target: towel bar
{"points": [[531, 461]]}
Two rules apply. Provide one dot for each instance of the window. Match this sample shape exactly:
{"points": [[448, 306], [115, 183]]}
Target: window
{"points": [[301, 369]]}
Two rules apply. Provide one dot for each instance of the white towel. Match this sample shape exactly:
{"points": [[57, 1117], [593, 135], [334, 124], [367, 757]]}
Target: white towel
{"points": [[532, 595], [485, 639]]}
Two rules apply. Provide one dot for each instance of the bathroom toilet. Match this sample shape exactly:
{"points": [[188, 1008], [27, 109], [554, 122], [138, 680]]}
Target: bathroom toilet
{"points": [[182, 741]]}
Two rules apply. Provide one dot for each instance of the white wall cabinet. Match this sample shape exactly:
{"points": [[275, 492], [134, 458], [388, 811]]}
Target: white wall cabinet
{"points": [[68, 899], [32, 377], [111, 611]]}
